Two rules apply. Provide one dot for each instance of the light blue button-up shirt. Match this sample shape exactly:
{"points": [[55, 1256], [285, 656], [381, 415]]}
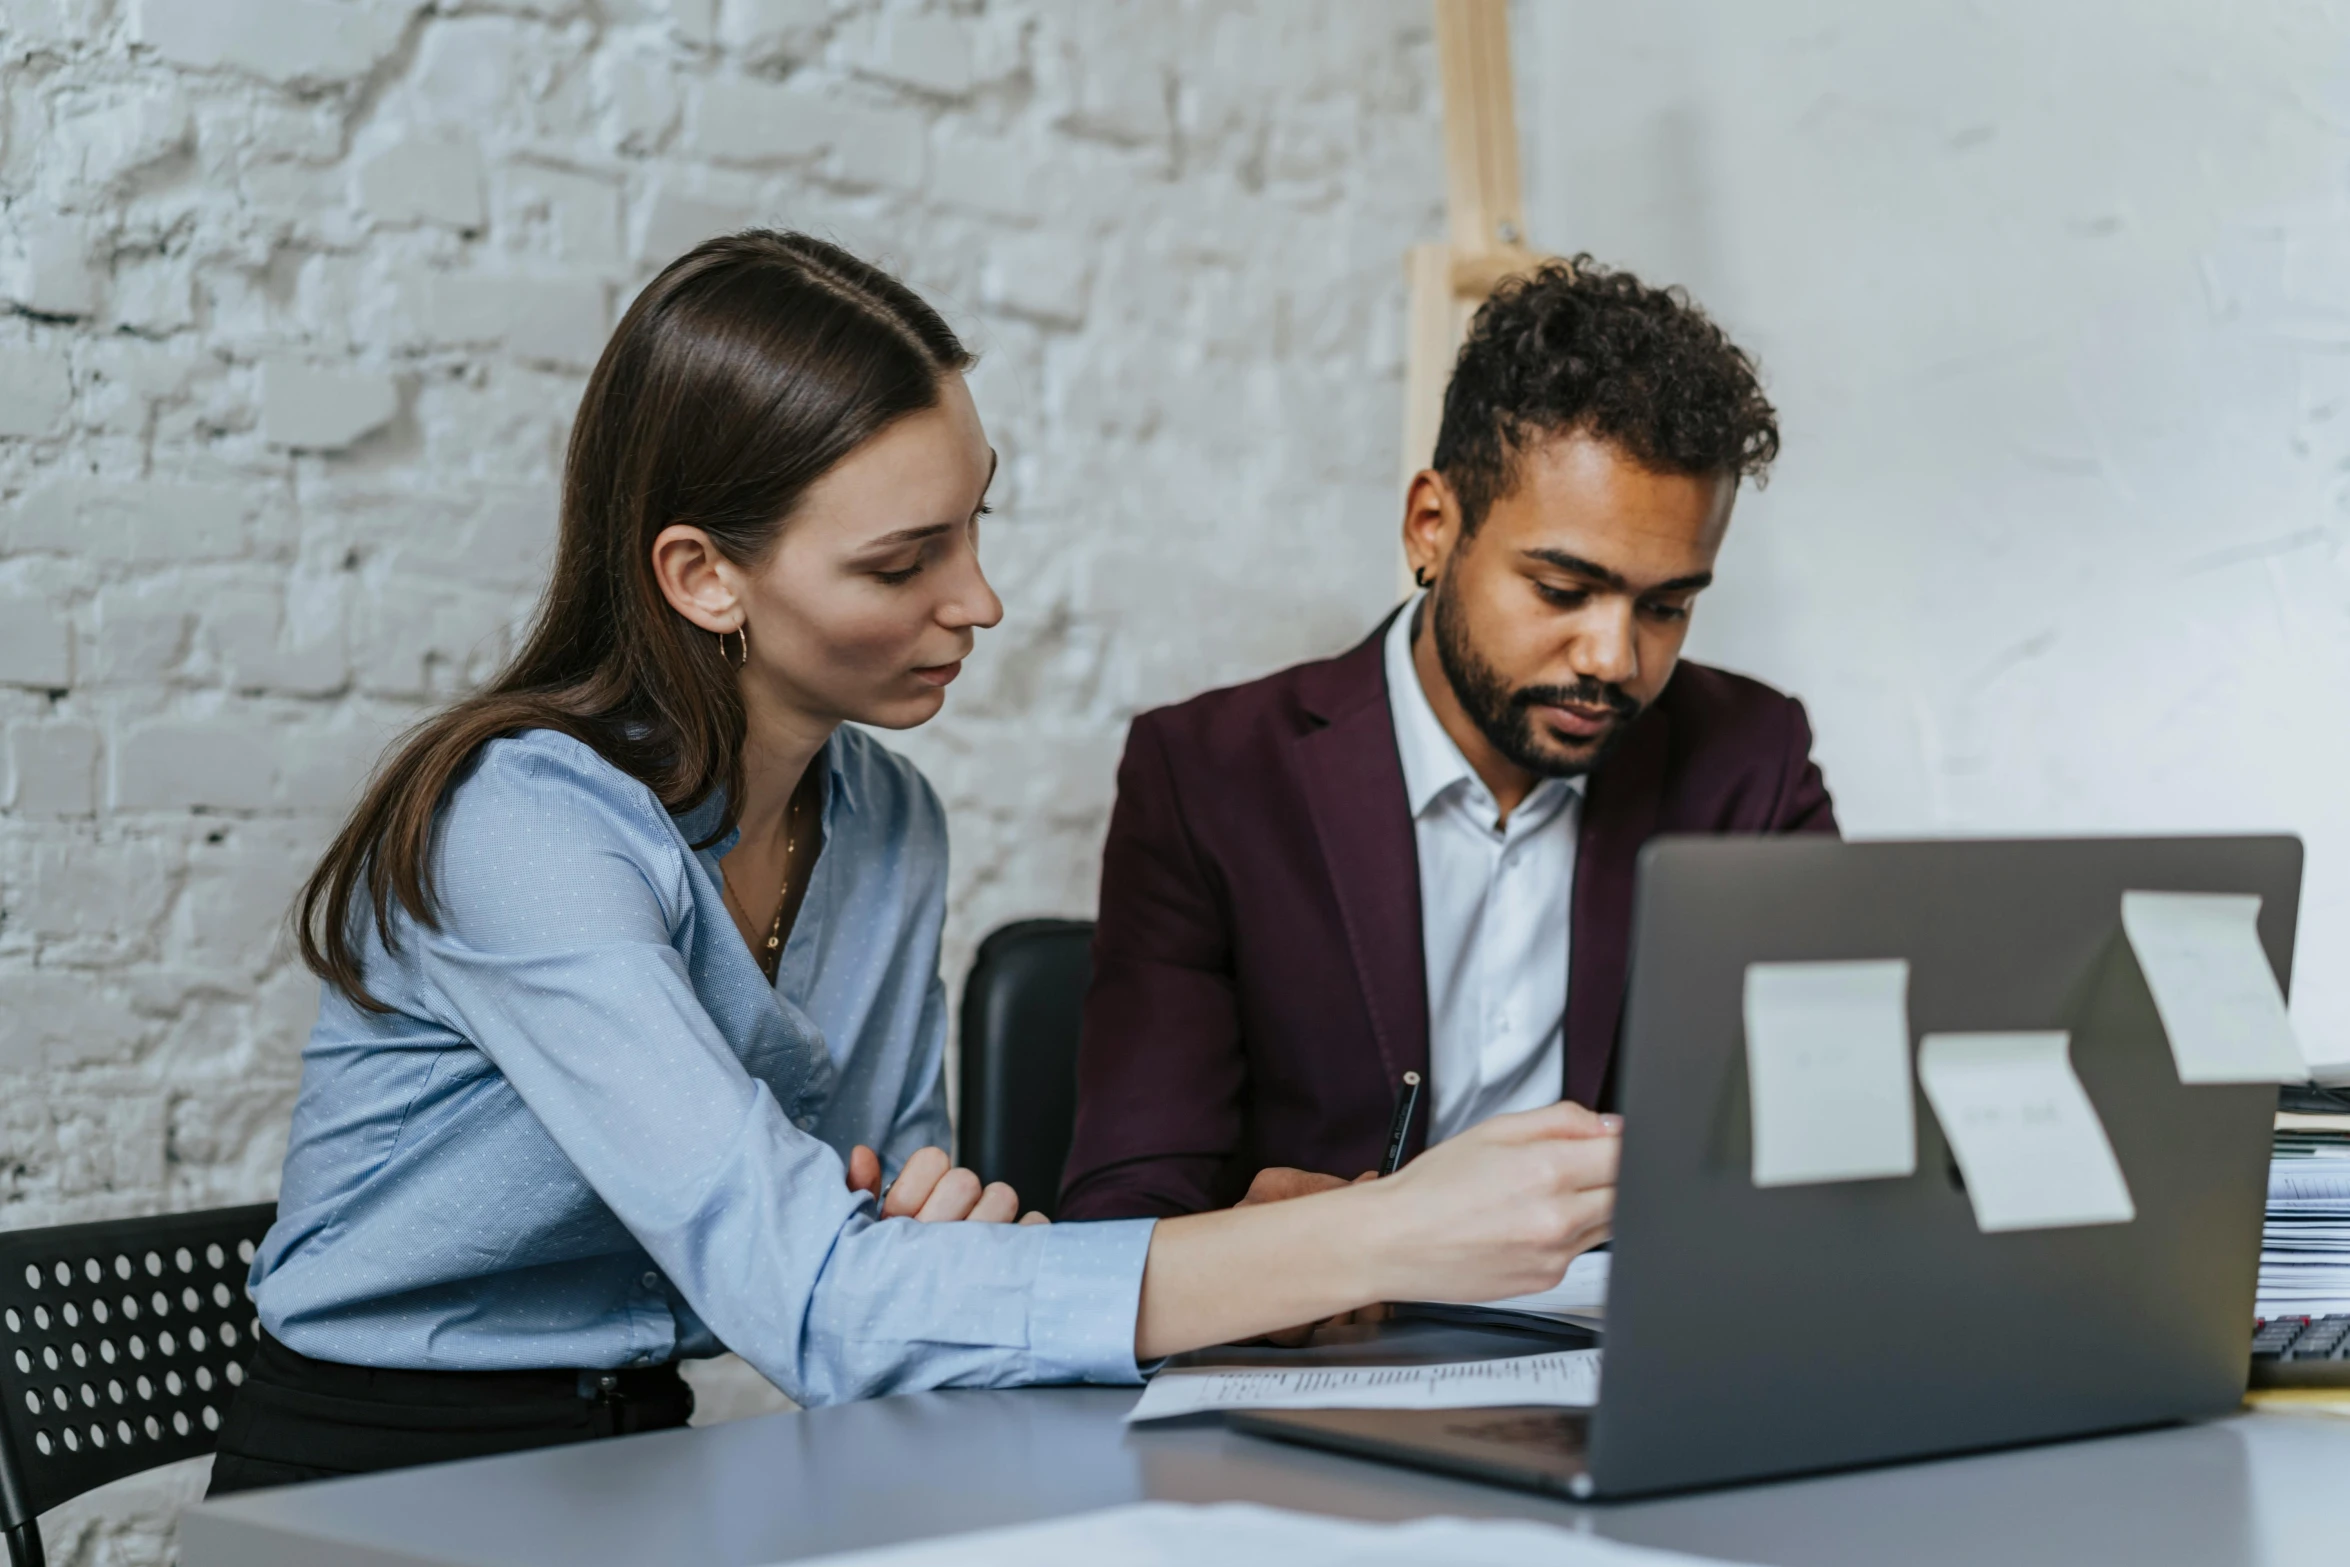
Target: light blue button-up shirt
{"points": [[589, 1133]]}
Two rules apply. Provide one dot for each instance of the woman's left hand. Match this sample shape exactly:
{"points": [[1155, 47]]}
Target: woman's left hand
{"points": [[935, 1190]]}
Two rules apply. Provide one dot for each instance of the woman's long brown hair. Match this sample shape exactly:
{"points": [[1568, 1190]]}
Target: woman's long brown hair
{"points": [[740, 375]]}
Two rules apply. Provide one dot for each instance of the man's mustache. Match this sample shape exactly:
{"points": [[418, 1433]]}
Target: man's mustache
{"points": [[1586, 693]]}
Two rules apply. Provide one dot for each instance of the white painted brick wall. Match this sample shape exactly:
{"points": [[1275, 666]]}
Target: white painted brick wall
{"points": [[296, 299]]}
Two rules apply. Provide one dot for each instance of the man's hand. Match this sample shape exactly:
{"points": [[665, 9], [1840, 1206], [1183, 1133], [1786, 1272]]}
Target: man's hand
{"points": [[935, 1190], [1279, 1183]]}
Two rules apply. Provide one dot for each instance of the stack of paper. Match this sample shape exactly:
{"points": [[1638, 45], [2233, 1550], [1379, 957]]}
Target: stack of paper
{"points": [[2305, 1250], [1568, 1378]]}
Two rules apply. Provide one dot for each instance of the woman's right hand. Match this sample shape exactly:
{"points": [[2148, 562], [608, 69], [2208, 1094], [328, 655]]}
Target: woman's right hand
{"points": [[935, 1190], [1499, 1210]]}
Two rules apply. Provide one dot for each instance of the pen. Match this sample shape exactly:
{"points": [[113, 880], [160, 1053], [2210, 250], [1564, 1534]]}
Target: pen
{"points": [[1397, 1129]]}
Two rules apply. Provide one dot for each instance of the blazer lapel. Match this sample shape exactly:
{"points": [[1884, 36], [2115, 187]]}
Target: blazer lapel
{"points": [[1619, 815], [1353, 783]]}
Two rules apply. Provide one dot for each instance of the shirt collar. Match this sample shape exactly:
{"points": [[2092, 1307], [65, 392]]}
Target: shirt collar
{"points": [[839, 796], [1432, 762]]}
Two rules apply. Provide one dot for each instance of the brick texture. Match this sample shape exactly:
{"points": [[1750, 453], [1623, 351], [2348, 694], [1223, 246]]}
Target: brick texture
{"points": [[297, 297]]}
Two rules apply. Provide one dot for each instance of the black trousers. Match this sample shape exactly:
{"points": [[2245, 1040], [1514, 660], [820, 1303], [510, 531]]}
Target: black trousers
{"points": [[299, 1419]]}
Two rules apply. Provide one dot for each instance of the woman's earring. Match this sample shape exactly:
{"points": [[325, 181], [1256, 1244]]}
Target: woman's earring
{"points": [[742, 634], [1420, 576]]}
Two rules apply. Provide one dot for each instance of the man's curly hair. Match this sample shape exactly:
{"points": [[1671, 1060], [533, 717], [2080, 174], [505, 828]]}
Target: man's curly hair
{"points": [[1574, 347]]}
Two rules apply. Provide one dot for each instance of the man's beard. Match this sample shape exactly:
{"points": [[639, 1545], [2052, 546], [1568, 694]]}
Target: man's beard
{"points": [[1505, 717]]}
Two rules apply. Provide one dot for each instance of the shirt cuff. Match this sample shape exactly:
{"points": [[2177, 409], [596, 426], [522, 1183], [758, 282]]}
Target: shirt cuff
{"points": [[1088, 1292]]}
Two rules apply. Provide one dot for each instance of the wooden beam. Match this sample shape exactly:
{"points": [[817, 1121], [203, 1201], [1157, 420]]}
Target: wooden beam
{"points": [[1485, 203], [1432, 336], [1474, 277]]}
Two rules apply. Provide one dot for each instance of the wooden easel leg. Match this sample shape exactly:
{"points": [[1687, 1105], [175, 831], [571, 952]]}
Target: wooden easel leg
{"points": [[1485, 210]]}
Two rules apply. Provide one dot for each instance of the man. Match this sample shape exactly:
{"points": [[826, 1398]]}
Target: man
{"points": [[1418, 856]]}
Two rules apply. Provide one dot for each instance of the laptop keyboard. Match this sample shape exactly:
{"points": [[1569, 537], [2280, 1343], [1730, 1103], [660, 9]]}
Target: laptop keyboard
{"points": [[2301, 1352]]}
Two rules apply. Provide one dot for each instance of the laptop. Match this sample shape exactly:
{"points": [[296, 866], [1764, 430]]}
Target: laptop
{"points": [[1763, 1332]]}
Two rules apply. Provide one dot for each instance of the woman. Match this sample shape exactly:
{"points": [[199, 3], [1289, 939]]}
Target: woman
{"points": [[630, 965]]}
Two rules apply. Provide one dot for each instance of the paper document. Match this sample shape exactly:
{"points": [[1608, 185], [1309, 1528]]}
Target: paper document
{"points": [[1579, 1300], [2220, 1005], [1569, 1378], [1827, 1069], [1241, 1534], [1581, 1294], [2028, 1140], [2326, 1185]]}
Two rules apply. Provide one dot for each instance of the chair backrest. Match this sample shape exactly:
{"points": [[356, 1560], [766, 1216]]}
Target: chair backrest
{"points": [[1019, 1079], [120, 1343]]}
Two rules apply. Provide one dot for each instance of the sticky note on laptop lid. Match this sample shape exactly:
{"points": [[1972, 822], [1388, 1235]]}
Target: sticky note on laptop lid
{"points": [[2219, 1001], [2034, 1154], [1827, 1070]]}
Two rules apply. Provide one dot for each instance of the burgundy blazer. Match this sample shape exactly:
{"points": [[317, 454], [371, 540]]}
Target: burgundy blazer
{"points": [[1259, 985]]}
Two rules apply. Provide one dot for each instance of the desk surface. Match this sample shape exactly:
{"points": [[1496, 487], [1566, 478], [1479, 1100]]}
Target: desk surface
{"points": [[2262, 1488]]}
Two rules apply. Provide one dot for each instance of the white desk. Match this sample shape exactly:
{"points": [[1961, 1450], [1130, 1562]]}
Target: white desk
{"points": [[2266, 1489]]}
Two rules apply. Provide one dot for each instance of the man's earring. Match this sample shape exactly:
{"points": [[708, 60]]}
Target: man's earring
{"points": [[1420, 576]]}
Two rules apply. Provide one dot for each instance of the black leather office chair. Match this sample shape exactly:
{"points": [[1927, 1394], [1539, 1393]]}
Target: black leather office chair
{"points": [[1019, 1079], [120, 1344]]}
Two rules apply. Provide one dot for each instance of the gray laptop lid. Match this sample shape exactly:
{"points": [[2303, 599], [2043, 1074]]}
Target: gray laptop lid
{"points": [[1755, 1332]]}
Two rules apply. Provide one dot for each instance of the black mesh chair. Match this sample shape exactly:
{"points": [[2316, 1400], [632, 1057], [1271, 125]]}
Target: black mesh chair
{"points": [[120, 1343], [1019, 1079]]}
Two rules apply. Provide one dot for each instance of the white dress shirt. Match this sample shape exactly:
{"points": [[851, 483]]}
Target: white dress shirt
{"points": [[1494, 915]]}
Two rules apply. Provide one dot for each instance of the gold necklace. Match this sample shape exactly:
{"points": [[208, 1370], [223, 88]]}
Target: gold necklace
{"points": [[791, 844], [770, 958]]}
